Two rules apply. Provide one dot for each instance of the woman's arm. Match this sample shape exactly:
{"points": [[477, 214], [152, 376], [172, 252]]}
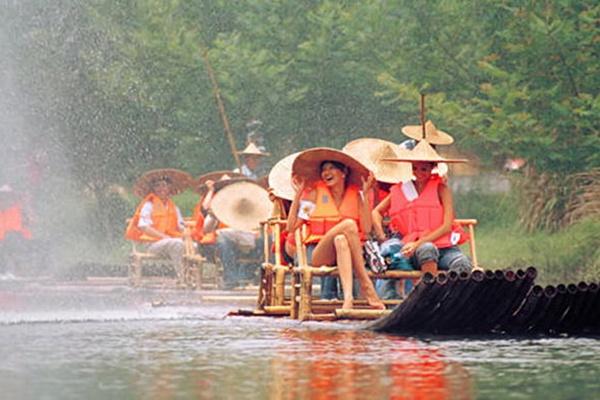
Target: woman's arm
{"points": [[377, 215], [209, 195], [293, 222], [364, 206]]}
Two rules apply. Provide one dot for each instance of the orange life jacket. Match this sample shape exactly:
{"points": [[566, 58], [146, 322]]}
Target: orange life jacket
{"points": [[11, 220], [198, 233], [164, 219], [414, 219], [326, 214]]}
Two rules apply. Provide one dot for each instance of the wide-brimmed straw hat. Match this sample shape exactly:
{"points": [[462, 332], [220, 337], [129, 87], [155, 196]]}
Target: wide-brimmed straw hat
{"points": [[425, 153], [214, 176], [280, 178], [432, 134], [226, 181], [242, 205], [371, 152], [253, 150], [178, 179], [307, 164]]}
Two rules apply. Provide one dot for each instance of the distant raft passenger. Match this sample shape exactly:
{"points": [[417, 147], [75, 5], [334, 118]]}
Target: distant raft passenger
{"points": [[329, 200], [252, 157], [157, 220], [422, 215]]}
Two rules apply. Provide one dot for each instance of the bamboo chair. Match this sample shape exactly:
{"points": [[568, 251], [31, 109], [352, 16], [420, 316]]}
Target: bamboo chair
{"points": [[271, 296], [139, 259], [196, 265], [305, 307]]}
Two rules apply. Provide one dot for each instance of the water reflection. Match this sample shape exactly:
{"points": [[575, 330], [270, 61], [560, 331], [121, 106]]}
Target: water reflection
{"points": [[350, 364], [61, 341]]}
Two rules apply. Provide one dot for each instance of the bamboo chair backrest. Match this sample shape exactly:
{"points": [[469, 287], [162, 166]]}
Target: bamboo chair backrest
{"points": [[272, 230], [299, 236], [470, 225]]}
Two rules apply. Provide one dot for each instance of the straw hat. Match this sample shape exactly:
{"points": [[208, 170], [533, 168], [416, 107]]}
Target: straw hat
{"points": [[280, 178], [214, 176], [424, 152], [253, 150], [308, 162], [242, 205], [432, 134], [226, 181], [179, 181], [371, 152]]}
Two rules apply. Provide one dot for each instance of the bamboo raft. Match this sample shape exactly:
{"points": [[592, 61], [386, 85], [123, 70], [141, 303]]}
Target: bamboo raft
{"points": [[494, 302]]}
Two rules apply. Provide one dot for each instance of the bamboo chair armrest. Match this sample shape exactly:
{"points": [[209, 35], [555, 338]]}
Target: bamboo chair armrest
{"points": [[466, 221], [278, 221]]}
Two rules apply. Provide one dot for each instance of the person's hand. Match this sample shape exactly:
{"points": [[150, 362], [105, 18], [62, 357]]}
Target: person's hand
{"points": [[409, 249], [369, 183], [298, 183]]}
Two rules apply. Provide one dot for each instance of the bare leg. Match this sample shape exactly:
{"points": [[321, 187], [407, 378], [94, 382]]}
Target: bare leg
{"points": [[325, 254], [344, 264], [351, 231]]}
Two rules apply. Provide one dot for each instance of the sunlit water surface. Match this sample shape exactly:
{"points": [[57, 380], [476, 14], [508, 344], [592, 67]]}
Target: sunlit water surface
{"points": [[75, 341]]}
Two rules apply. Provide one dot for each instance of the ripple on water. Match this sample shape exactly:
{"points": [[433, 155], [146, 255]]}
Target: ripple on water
{"points": [[79, 342]]}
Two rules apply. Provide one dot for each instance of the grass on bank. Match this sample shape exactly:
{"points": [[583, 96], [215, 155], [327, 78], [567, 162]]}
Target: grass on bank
{"points": [[570, 255]]}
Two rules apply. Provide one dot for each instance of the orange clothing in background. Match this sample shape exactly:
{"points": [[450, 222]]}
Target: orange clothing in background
{"points": [[164, 219], [11, 220]]}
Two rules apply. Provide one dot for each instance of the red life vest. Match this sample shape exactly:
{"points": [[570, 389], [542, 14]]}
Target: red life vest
{"points": [[414, 219], [198, 232], [164, 219], [11, 220], [326, 214]]}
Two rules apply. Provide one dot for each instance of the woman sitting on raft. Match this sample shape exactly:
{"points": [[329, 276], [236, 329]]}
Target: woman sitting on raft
{"points": [[336, 215], [422, 215]]}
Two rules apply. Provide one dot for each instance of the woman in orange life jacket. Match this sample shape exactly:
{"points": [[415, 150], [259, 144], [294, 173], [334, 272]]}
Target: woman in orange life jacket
{"points": [[336, 214], [422, 214], [157, 220]]}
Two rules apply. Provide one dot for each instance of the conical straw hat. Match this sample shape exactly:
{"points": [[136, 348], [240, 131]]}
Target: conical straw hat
{"points": [[253, 150], [424, 152], [371, 152], [280, 178], [308, 162], [432, 134], [214, 176], [242, 205], [180, 181], [226, 181]]}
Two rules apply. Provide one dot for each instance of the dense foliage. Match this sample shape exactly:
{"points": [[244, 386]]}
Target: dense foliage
{"points": [[114, 87]]}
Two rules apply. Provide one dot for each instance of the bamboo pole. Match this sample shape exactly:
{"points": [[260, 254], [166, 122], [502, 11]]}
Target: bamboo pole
{"points": [[423, 115], [220, 106], [360, 314], [305, 294]]}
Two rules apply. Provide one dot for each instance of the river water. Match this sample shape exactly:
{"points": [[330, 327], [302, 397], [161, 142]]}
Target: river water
{"points": [[99, 341]]}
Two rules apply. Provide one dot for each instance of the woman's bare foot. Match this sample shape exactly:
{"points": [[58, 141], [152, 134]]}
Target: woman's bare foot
{"points": [[372, 299], [347, 304], [376, 303]]}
